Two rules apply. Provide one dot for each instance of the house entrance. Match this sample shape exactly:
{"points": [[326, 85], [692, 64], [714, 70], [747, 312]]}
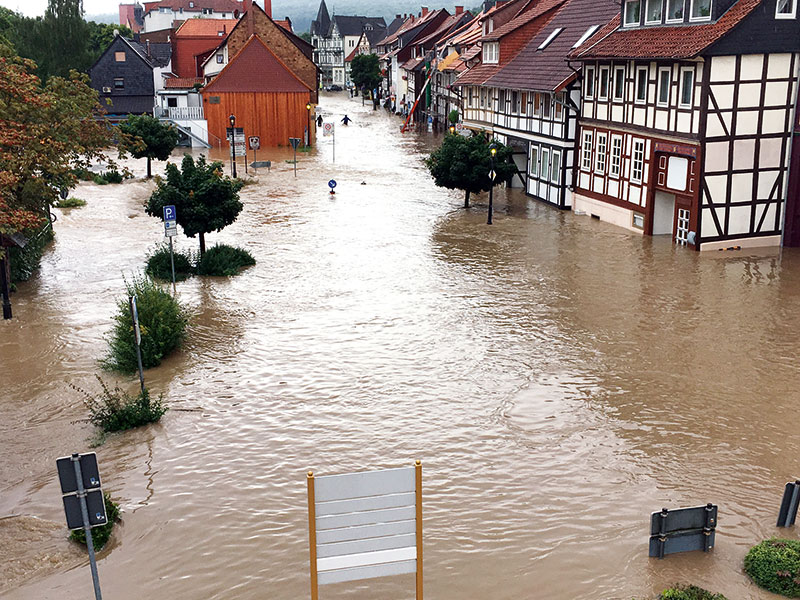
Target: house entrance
{"points": [[663, 213]]}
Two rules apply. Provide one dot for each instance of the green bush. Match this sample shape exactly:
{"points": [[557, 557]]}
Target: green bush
{"points": [[70, 203], [100, 180], [223, 260], [689, 592], [160, 266], [113, 176], [101, 534], [25, 261], [162, 322], [116, 410], [83, 174], [774, 564]]}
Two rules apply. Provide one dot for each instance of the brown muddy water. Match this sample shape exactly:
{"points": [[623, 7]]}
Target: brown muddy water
{"points": [[559, 378]]}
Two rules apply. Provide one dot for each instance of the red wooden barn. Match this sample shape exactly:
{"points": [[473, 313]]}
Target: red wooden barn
{"points": [[266, 97]]}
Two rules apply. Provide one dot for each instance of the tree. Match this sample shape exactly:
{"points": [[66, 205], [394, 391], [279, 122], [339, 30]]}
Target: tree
{"points": [[204, 200], [58, 41], [365, 71], [306, 36], [151, 138], [101, 35], [463, 163]]}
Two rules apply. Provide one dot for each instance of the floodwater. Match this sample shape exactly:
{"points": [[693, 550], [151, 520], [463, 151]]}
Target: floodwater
{"points": [[559, 378]]}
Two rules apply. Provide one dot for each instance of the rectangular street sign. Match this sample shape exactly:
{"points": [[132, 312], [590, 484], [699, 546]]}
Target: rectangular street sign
{"points": [[170, 214], [229, 131], [135, 316], [683, 518], [95, 506], [240, 149], [683, 541], [170, 232], [89, 472], [261, 164]]}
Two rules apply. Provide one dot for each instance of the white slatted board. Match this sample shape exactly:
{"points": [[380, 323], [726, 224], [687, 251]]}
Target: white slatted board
{"points": [[365, 525]]}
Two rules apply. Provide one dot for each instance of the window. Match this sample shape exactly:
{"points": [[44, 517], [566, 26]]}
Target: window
{"points": [[483, 97], [119, 56], [787, 9], [214, 100], [604, 81], [537, 104], [664, 80], [555, 169], [220, 59], [619, 83], [558, 103], [207, 11], [515, 102], [544, 171], [637, 169], [164, 9], [653, 11], [641, 85], [587, 151], [491, 53], [589, 91], [586, 35], [550, 38], [523, 103], [191, 4], [674, 10], [352, 43], [600, 155], [616, 156], [677, 173], [687, 87], [501, 101], [633, 9], [119, 83], [534, 161], [701, 10], [172, 103], [546, 102]]}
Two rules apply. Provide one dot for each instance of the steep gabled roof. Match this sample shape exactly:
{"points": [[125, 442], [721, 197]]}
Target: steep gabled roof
{"points": [[354, 25], [664, 42], [322, 24], [523, 19], [547, 69], [256, 69], [449, 25], [410, 25]]}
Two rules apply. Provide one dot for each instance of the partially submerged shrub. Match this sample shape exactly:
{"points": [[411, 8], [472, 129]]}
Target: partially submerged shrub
{"points": [[101, 534], [162, 322], [689, 592], [71, 202], [116, 410], [223, 260], [100, 180], [160, 266], [774, 565], [112, 176]]}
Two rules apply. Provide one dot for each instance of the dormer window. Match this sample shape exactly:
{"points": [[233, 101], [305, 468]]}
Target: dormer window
{"points": [[674, 11], [653, 12], [701, 10], [633, 11], [787, 9], [191, 4], [491, 53]]}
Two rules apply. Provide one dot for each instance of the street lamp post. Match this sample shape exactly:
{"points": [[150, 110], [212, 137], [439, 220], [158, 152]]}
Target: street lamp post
{"points": [[493, 152], [233, 143], [308, 124]]}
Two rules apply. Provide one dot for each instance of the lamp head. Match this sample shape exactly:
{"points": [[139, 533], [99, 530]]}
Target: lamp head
{"points": [[452, 128], [308, 106], [493, 149], [233, 120]]}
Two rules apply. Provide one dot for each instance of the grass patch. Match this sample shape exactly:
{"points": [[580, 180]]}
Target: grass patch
{"points": [[116, 410], [71, 202], [101, 534], [689, 592], [160, 266], [774, 565], [224, 261], [162, 321]]}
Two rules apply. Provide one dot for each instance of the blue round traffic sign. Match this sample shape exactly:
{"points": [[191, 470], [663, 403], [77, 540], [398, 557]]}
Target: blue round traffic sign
{"points": [[332, 183]]}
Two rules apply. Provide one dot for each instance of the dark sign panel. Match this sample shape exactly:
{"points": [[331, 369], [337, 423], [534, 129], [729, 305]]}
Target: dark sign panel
{"points": [[95, 506], [89, 472]]}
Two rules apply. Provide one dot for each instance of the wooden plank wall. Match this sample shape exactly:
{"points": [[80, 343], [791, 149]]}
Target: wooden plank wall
{"points": [[274, 117]]}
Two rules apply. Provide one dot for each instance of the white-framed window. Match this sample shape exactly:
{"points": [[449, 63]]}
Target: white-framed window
{"points": [[191, 4], [701, 10], [653, 12], [586, 163], [534, 168], [545, 167], [587, 34], [555, 168], [615, 167], [633, 12], [515, 102], [588, 88], [675, 11], [664, 81], [523, 109], [491, 53], [619, 83], [642, 74], [687, 87], [550, 38], [220, 59], [119, 83], [164, 9], [603, 84], [600, 155], [558, 102], [208, 11], [546, 102], [637, 165], [786, 9], [483, 97]]}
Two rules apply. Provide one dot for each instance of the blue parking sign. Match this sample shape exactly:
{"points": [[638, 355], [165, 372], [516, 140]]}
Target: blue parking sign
{"points": [[169, 213]]}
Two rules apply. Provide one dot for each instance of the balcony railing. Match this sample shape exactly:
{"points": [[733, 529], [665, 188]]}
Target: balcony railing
{"points": [[180, 113]]}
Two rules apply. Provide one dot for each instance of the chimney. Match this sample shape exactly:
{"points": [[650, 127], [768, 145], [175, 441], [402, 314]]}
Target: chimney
{"points": [[251, 19], [246, 4], [459, 10], [424, 10], [268, 8], [398, 17]]}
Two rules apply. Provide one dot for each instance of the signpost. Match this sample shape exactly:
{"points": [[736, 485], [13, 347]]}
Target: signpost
{"points": [[332, 185], [295, 142], [83, 501], [255, 144], [328, 129], [683, 530], [171, 230], [365, 525], [788, 512], [238, 145], [138, 335]]}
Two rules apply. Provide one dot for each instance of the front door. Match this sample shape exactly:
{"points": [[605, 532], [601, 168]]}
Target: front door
{"points": [[663, 213]]}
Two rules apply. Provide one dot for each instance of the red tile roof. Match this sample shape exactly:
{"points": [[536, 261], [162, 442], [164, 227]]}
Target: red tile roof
{"points": [[182, 83], [665, 42], [538, 10], [285, 24], [478, 75], [256, 69], [205, 27]]}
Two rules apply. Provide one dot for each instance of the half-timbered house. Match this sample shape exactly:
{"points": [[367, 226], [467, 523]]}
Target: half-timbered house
{"points": [[686, 119]]}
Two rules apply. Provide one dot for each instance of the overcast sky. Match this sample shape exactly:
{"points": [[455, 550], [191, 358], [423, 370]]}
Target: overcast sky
{"points": [[34, 8]]}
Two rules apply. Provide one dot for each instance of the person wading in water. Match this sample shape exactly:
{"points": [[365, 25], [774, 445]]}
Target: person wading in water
{"points": [[346, 120]]}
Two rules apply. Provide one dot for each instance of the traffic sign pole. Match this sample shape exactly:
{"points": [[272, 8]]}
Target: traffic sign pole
{"points": [[172, 263], [138, 338], [76, 462]]}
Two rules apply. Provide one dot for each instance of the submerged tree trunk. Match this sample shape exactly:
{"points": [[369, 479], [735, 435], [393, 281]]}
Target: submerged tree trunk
{"points": [[149, 175], [466, 200], [202, 243]]}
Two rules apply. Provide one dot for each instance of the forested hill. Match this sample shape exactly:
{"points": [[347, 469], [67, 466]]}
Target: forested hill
{"points": [[302, 12]]}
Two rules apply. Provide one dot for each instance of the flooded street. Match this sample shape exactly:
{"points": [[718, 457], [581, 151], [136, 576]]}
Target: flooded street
{"points": [[558, 377]]}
